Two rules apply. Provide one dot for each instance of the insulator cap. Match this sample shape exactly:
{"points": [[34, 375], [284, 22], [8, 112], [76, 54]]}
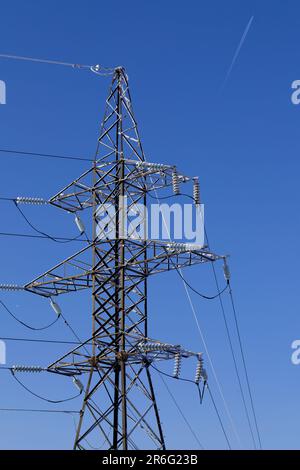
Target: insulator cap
{"points": [[173, 246], [196, 191], [31, 200], [11, 287], [199, 370], [226, 270], [152, 166], [55, 307], [177, 365], [20, 368], [175, 182], [148, 347], [79, 224], [78, 384]]}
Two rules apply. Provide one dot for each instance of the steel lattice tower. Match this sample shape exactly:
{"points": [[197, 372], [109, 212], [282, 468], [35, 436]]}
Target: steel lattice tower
{"points": [[114, 362]]}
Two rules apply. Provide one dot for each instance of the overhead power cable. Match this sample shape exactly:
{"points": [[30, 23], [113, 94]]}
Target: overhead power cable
{"points": [[25, 324], [74, 333], [94, 68], [218, 415], [234, 359], [182, 379], [181, 412], [45, 237], [226, 406], [245, 367], [43, 233], [170, 196], [171, 376], [17, 153], [48, 400], [201, 396], [45, 61], [195, 290], [31, 340], [6, 199], [35, 410]]}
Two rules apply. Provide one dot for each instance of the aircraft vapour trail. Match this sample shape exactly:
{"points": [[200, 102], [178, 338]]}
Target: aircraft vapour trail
{"points": [[238, 49]]}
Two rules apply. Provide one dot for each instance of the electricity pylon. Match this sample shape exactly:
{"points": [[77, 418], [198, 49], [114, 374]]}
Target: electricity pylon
{"points": [[115, 361]]}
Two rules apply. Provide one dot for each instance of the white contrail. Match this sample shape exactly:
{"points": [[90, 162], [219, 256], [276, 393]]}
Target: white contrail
{"points": [[238, 49]]}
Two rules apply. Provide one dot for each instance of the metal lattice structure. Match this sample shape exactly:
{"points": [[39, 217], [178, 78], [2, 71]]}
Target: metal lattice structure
{"points": [[114, 362]]}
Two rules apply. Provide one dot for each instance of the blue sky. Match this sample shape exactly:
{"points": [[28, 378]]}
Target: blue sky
{"points": [[241, 138]]}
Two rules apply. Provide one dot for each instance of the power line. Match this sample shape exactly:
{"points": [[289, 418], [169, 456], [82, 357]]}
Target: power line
{"points": [[245, 366], [45, 61], [99, 70], [212, 365], [30, 340], [36, 410], [182, 379], [232, 348], [39, 396], [218, 415], [170, 196], [196, 291], [25, 324], [18, 153], [74, 333], [234, 359], [172, 377], [181, 412], [25, 235], [45, 327], [210, 393], [39, 231]]}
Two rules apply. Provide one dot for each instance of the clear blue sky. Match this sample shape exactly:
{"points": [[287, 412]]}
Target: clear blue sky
{"points": [[242, 139]]}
